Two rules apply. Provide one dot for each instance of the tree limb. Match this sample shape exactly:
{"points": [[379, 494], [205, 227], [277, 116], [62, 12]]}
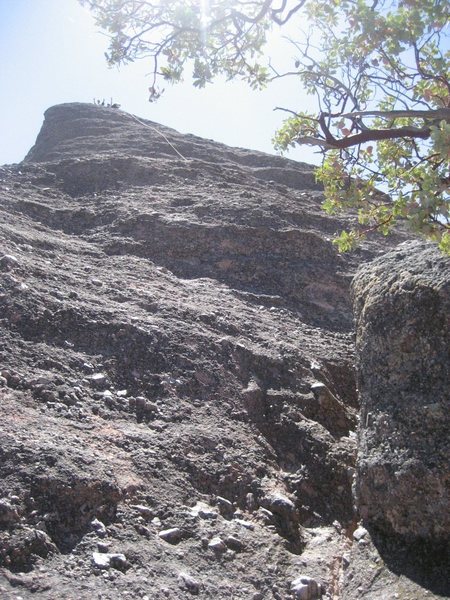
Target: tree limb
{"points": [[369, 135], [439, 113]]}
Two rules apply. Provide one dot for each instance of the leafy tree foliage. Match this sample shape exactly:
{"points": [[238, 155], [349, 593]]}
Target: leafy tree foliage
{"points": [[379, 70]]}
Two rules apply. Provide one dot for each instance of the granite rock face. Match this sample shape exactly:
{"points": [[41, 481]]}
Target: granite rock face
{"points": [[177, 379], [402, 305]]}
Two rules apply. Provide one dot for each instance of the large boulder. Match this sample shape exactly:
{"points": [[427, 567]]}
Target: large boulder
{"points": [[402, 305]]}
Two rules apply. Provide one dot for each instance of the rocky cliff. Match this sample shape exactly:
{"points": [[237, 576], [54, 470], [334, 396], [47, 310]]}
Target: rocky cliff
{"points": [[178, 391]]}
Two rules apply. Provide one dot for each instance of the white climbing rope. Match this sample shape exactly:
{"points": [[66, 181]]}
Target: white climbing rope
{"points": [[158, 132]]}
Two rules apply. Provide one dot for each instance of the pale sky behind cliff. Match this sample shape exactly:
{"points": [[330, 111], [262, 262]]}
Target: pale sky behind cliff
{"points": [[51, 52]]}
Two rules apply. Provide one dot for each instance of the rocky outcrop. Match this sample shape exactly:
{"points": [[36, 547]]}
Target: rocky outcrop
{"points": [[402, 305], [177, 377]]}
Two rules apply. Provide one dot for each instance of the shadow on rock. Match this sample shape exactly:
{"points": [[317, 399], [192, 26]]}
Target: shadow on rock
{"points": [[425, 562]]}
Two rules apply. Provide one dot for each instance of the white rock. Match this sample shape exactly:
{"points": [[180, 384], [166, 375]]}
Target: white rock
{"points": [[266, 515], [245, 524], [225, 506], [173, 536], [306, 588], [103, 546], [99, 380], [345, 559], [99, 527], [301, 591], [250, 502], [145, 511], [280, 504], [359, 533], [101, 560], [98, 377], [217, 544], [105, 561], [190, 583], [8, 513], [118, 561], [203, 510], [8, 261], [318, 386]]}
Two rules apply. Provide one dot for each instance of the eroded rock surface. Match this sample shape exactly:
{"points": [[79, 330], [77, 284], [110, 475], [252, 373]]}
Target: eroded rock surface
{"points": [[402, 305], [177, 370]]}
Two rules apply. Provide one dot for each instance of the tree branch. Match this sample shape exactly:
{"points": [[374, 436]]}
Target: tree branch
{"points": [[439, 113], [369, 135]]}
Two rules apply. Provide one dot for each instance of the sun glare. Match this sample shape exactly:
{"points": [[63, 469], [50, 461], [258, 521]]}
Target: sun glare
{"points": [[204, 10], [204, 18]]}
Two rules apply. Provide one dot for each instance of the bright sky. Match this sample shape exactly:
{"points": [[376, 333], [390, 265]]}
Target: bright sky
{"points": [[52, 52]]}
